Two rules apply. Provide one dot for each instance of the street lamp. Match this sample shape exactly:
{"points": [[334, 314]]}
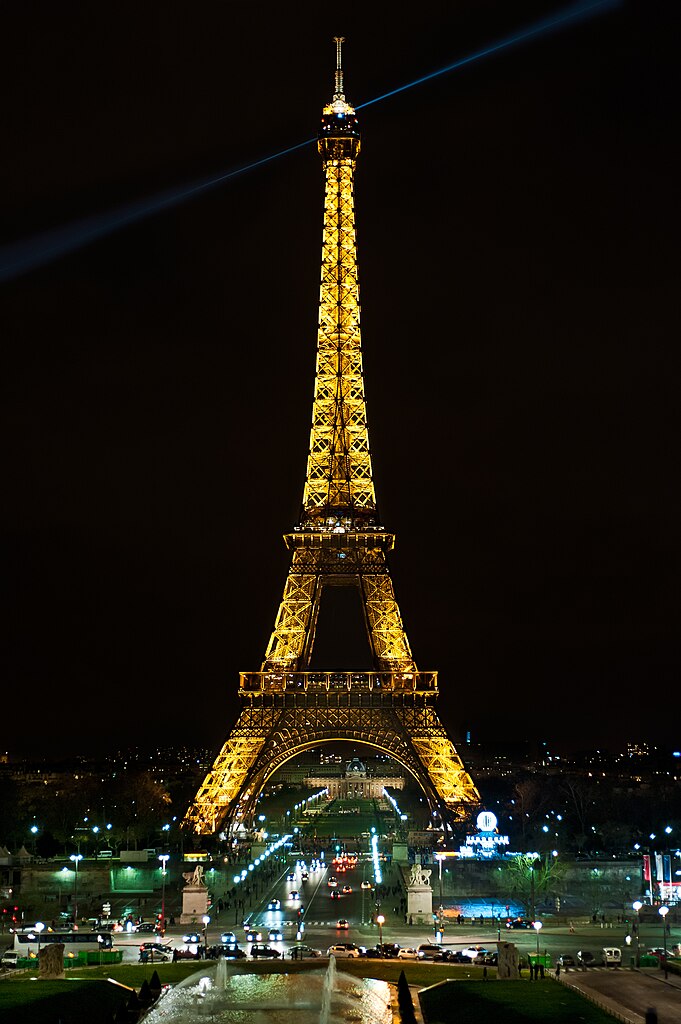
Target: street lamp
{"points": [[39, 927], [440, 934], [663, 911], [537, 925], [380, 921], [163, 857], [637, 907], [76, 858], [206, 922]]}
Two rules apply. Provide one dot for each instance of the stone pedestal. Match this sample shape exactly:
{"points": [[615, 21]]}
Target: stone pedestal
{"points": [[507, 968], [194, 904], [420, 904]]}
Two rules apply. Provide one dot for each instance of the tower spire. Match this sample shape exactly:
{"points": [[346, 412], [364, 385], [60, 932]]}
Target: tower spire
{"points": [[338, 94]]}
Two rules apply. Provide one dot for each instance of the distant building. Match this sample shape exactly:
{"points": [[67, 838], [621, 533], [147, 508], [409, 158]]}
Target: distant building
{"points": [[354, 781]]}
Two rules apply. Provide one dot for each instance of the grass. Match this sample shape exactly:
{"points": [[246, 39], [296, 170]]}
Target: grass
{"points": [[87, 996]]}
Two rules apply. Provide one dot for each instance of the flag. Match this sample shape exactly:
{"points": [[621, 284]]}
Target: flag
{"points": [[646, 867]]}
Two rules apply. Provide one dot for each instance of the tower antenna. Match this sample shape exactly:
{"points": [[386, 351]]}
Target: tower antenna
{"points": [[338, 95]]}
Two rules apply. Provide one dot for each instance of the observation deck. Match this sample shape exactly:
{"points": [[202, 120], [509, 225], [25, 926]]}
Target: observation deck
{"points": [[270, 682]]}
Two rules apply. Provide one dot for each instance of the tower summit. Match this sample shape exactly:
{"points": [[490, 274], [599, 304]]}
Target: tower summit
{"points": [[338, 542]]}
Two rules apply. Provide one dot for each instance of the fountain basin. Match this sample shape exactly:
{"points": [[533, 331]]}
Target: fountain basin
{"points": [[216, 994]]}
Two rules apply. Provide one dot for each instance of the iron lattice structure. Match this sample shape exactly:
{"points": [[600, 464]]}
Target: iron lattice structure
{"points": [[339, 541]]}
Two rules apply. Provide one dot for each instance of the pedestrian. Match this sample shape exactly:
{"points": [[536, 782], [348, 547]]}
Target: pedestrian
{"points": [[572, 928], [411, 919], [557, 970], [541, 970]]}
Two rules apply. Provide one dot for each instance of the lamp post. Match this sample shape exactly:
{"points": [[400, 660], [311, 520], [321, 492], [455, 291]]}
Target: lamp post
{"points": [[440, 916], [76, 858], [380, 921], [663, 911], [637, 907], [537, 925], [164, 858], [206, 922], [39, 927]]}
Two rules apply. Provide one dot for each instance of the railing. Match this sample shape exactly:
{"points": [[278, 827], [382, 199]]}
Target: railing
{"points": [[326, 682]]}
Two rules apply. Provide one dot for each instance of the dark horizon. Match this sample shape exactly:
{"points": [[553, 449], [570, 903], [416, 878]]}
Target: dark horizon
{"points": [[518, 266]]}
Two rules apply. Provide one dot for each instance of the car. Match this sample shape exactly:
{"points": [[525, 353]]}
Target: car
{"points": [[157, 947], [10, 958], [566, 960], [489, 959], [148, 955], [228, 939], [302, 952], [332, 882], [453, 956], [373, 953], [346, 889], [253, 936], [187, 954], [335, 895], [290, 877], [305, 876], [344, 949], [342, 924], [475, 952], [658, 951], [585, 958], [275, 935], [366, 885], [409, 953], [268, 952], [146, 928], [294, 895], [390, 950], [518, 922], [229, 951], [274, 905], [430, 950], [191, 938]]}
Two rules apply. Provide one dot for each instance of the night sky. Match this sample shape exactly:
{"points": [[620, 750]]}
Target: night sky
{"points": [[518, 253]]}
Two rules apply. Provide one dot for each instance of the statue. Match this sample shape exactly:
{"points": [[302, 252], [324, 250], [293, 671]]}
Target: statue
{"points": [[419, 876], [194, 878], [52, 960]]}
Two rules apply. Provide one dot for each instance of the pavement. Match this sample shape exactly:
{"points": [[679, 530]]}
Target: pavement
{"points": [[630, 994]]}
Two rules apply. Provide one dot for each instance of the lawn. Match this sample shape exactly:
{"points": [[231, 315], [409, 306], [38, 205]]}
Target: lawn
{"points": [[93, 995]]}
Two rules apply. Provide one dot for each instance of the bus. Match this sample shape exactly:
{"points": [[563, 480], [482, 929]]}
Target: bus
{"points": [[27, 941]]}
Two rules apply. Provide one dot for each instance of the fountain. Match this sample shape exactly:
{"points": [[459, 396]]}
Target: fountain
{"points": [[217, 995]]}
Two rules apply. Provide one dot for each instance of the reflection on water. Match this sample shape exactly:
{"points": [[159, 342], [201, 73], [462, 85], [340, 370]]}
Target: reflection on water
{"points": [[213, 995]]}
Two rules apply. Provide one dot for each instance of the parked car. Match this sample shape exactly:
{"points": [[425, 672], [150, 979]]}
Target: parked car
{"points": [[275, 935], [489, 959], [389, 950], [260, 950], [157, 947], [566, 960], [585, 958], [611, 956], [658, 952], [274, 905], [302, 952], [475, 952], [252, 935], [344, 949], [10, 958], [187, 954], [409, 953], [454, 956], [229, 951], [429, 950]]}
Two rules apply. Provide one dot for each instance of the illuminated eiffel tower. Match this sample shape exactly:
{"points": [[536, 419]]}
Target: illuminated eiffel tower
{"points": [[339, 542]]}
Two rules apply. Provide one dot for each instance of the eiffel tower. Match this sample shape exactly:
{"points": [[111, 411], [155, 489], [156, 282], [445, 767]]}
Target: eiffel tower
{"points": [[338, 542]]}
